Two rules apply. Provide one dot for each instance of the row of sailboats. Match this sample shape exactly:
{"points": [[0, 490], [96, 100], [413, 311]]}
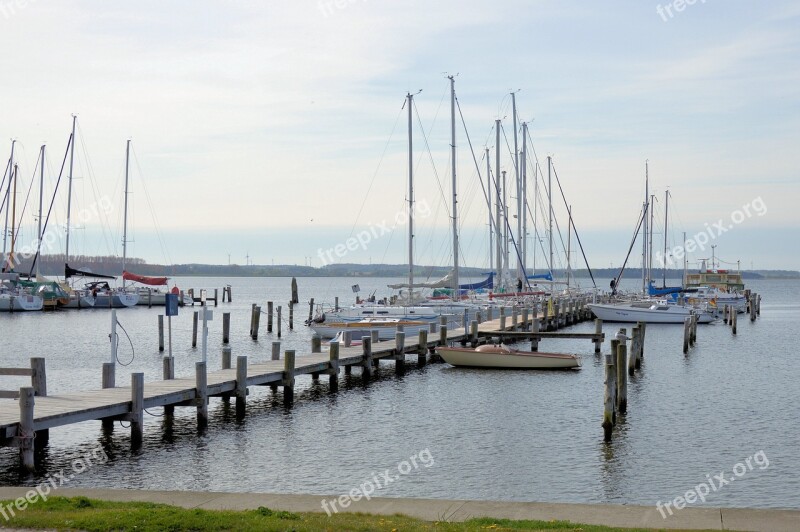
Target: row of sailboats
{"points": [[34, 291]]}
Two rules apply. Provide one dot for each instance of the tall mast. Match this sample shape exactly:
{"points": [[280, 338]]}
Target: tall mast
{"points": [[569, 243], [516, 180], [41, 201], [644, 226], [489, 198], [535, 210], [506, 262], [685, 260], [550, 207], [650, 245], [410, 101], [455, 188], [499, 238], [666, 221], [524, 233], [13, 219], [69, 187], [125, 212], [8, 196]]}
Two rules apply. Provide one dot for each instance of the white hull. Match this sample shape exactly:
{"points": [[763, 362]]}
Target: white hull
{"points": [[625, 312], [504, 358], [385, 332], [20, 303], [80, 301], [157, 298], [116, 300]]}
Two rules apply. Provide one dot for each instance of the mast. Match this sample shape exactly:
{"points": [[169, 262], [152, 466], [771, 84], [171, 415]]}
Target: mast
{"points": [[550, 207], [69, 187], [524, 234], [489, 197], [644, 226], [516, 180], [506, 262], [8, 196], [455, 189], [498, 243], [125, 213], [410, 101], [650, 245], [666, 221], [569, 243], [685, 260], [41, 201], [13, 219]]}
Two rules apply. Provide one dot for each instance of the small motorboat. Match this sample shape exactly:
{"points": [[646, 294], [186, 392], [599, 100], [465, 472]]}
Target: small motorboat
{"points": [[501, 356]]}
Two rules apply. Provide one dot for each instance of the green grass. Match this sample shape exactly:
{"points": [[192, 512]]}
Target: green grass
{"points": [[80, 513]]}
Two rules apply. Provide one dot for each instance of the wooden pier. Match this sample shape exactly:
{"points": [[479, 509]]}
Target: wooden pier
{"points": [[36, 412]]}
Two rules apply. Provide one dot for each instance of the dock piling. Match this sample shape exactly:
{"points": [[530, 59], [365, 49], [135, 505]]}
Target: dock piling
{"points": [[311, 310], [278, 317], [226, 357], [195, 318], [291, 316], [226, 327], [535, 339], [25, 433], [137, 409], [686, 335], [622, 377], [400, 356], [160, 332], [201, 383], [256, 321], [366, 348], [316, 344], [333, 372], [598, 329], [269, 317], [422, 354], [288, 377], [241, 383], [502, 318]]}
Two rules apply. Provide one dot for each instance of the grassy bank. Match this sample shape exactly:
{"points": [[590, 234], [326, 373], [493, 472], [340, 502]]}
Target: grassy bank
{"points": [[80, 513]]}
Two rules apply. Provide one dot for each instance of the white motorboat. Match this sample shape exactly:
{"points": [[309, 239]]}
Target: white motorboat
{"points": [[648, 311], [503, 357]]}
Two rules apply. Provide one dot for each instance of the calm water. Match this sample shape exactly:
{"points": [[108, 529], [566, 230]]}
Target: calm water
{"points": [[493, 435]]}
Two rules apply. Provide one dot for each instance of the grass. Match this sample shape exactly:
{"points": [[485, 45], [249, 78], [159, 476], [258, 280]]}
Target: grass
{"points": [[81, 513]]}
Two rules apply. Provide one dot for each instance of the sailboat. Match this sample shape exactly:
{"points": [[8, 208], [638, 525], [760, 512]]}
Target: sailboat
{"points": [[13, 296]]}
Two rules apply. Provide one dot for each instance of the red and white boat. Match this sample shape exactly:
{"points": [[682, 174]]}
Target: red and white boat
{"points": [[501, 356]]}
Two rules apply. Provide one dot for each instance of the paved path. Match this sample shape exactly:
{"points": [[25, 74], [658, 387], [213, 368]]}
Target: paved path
{"points": [[459, 510]]}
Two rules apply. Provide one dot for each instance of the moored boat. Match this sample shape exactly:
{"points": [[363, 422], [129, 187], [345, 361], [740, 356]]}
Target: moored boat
{"points": [[648, 311], [503, 357]]}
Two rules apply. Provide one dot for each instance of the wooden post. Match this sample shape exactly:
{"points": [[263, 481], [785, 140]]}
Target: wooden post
{"points": [[288, 376], [195, 318], [269, 316], [473, 332], [608, 396], [734, 320], [348, 338], [256, 321], [525, 320], [478, 317], [443, 335], [291, 316], [226, 327], [422, 354], [334, 371], [366, 348], [752, 306], [39, 376], [622, 377], [226, 357], [109, 380], [201, 383], [633, 361], [693, 337], [295, 299], [168, 369], [598, 329], [535, 339], [686, 335], [336, 304], [489, 314], [514, 318], [502, 318], [278, 317], [311, 310], [316, 344], [25, 432], [241, 382], [725, 314], [252, 318], [161, 332], [137, 408], [375, 335], [216, 294], [758, 305], [432, 328], [400, 356], [180, 301]]}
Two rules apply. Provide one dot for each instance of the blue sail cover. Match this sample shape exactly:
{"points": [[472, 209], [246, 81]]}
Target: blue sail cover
{"points": [[486, 283], [546, 276], [653, 291]]}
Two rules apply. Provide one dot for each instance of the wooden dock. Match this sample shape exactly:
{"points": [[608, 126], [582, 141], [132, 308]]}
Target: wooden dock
{"points": [[30, 417]]}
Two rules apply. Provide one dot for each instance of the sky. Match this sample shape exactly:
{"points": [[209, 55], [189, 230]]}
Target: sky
{"points": [[274, 131]]}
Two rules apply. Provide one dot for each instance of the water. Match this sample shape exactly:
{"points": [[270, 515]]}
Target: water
{"points": [[501, 435]]}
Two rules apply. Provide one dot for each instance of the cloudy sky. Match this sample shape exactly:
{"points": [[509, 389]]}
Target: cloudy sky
{"points": [[274, 130]]}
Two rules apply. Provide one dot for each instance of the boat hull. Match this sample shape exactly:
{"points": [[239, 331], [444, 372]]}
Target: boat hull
{"points": [[115, 300], [385, 332], [471, 358], [627, 314], [20, 303]]}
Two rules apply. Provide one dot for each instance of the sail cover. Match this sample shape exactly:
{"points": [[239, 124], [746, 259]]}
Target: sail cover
{"points": [[152, 281], [72, 272], [444, 282], [486, 283]]}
